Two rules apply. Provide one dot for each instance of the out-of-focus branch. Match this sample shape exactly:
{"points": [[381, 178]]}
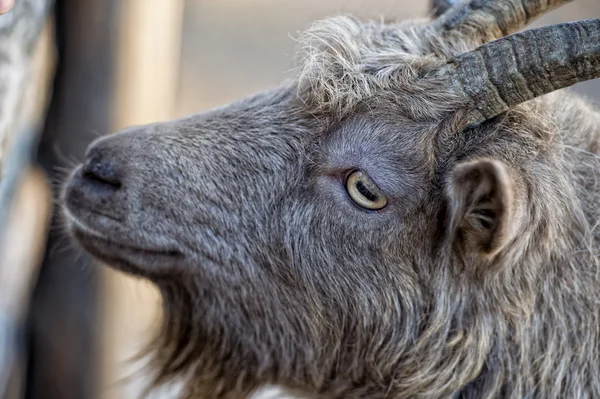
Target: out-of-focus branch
{"points": [[24, 197]]}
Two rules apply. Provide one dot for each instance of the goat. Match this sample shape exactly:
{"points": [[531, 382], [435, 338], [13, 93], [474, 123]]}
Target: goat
{"points": [[415, 215]]}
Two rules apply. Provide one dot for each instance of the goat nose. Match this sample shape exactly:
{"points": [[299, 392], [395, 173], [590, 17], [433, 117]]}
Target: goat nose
{"points": [[98, 169]]}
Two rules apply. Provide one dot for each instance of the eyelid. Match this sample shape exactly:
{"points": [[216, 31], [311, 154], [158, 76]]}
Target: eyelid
{"points": [[347, 174]]}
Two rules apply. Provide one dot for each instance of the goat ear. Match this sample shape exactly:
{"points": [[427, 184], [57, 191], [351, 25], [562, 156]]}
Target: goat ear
{"points": [[438, 7], [482, 206]]}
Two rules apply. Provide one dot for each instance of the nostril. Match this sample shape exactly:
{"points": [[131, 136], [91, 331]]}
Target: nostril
{"points": [[100, 171], [94, 177]]}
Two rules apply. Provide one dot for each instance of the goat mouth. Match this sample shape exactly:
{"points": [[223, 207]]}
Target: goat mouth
{"points": [[144, 262]]}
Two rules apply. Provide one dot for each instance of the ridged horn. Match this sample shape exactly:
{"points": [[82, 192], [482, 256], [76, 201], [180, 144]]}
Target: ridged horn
{"points": [[487, 20], [439, 7], [502, 74]]}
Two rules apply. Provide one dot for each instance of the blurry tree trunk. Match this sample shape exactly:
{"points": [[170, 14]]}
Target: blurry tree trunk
{"points": [[63, 319], [25, 69]]}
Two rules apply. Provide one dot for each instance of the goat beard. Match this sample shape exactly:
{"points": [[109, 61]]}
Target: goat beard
{"points": [[209, 346]]}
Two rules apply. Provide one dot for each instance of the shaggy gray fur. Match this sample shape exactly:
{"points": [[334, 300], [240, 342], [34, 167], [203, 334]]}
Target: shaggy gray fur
{"points": [[480, 279]]}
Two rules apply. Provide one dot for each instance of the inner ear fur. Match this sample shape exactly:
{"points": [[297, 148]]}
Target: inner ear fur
{"points": [[482, 206]]}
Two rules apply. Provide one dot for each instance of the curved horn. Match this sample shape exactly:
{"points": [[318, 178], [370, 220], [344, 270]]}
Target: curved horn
{"points": [[500, 75], [488, 20], [439, 7]]}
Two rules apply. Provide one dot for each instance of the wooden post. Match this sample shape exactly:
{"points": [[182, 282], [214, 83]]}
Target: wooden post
{"points": [[63, 319], [148, 70], [118, 66]]}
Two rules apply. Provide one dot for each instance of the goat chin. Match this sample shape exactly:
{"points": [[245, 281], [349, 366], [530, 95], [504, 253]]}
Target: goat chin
{"points": [[174, 388]]}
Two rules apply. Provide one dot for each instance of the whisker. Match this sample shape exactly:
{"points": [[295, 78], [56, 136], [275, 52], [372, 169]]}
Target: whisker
{"points": [[68, 160], [96, 133]]}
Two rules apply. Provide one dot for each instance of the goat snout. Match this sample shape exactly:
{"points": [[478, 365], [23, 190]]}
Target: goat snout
{"points": [[100, 170], [97, 186]]}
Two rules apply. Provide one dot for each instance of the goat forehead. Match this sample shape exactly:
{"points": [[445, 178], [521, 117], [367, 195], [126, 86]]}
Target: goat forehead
{"points": [[343, 61]]}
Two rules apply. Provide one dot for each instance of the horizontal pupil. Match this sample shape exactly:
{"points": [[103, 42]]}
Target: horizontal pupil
{"points": [[365, 191]]}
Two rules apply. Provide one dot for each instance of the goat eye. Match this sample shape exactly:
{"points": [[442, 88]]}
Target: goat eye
{"points": [[364, 192]]}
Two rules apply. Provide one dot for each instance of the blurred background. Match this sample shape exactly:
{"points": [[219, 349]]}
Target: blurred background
{"points": [[72, 70]]}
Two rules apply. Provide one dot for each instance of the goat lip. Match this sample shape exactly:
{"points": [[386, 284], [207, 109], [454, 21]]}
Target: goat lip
{"points": [[145, 262]]}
